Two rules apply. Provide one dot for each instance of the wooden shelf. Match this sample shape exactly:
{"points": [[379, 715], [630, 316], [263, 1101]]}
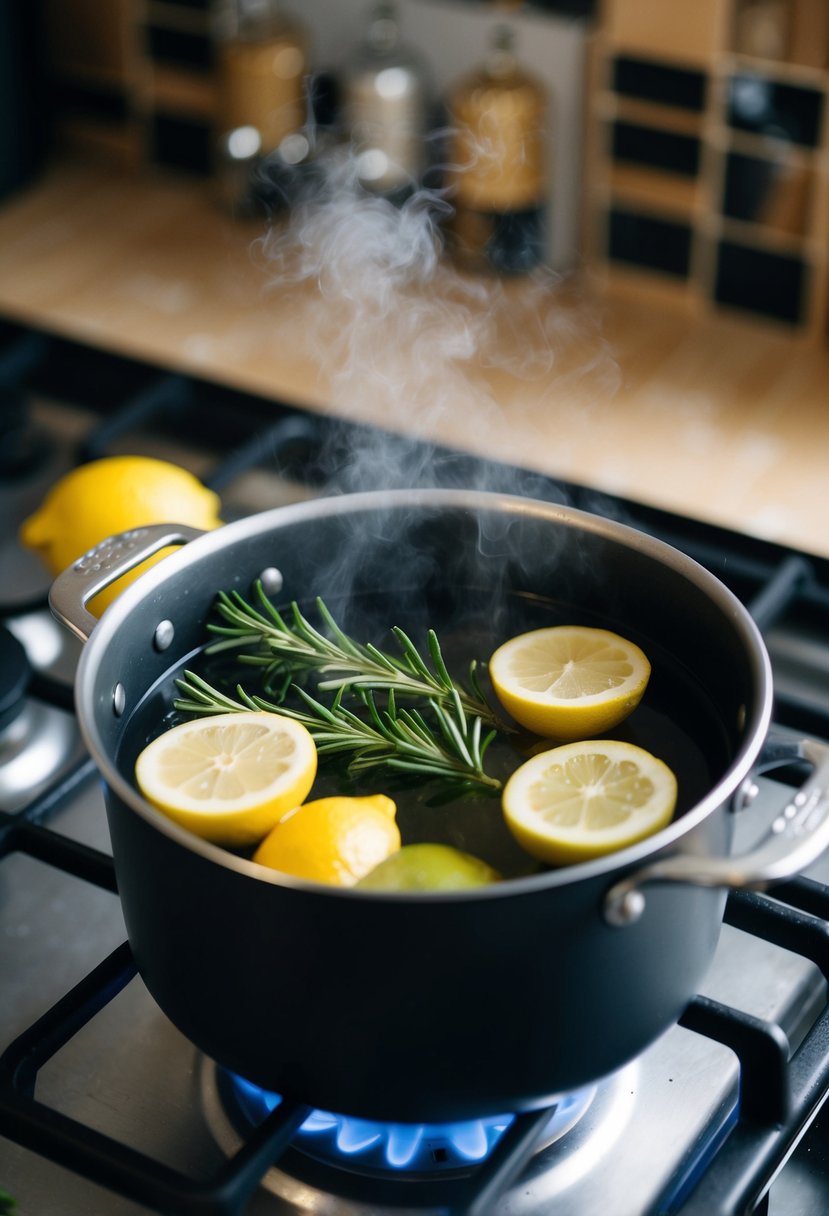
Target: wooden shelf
{"points": [[792, 32], [611, 106], [177, 17], [121, 146], [678, 33], [176, 91], [775, 69], [100, 45], [648, 395], [757, 197], [663, 193]]}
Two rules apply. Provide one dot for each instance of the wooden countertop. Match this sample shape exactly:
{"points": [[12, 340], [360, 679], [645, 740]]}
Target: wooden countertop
{"points": [[718, 418]]}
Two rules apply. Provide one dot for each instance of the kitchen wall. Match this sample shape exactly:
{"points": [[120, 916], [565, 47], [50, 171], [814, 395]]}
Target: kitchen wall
{"points": [[689, 194], [453, 36], [146, 265], [136, 86]]}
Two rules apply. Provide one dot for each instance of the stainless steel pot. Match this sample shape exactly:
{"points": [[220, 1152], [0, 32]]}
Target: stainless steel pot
{"points": [[438, 1005]]}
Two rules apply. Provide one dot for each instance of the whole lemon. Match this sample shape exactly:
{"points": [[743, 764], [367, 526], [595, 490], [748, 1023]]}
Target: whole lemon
{"points": [[332, 840], [429, 867], [112, 495]]}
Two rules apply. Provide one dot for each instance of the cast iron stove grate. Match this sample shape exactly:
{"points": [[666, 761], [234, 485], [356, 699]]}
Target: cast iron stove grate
{"points": [[780, 1093], [778, 1096]]}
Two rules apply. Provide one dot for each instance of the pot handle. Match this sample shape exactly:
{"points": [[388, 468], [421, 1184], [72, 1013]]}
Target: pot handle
{"points": [[103, 564], [796, 838]]}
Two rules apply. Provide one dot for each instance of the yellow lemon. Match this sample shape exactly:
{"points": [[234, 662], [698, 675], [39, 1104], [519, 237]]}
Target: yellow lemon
{"points": [[229, 777], [112, 495], [429, 867], [569, 681], [332, 840], [582, 800]]}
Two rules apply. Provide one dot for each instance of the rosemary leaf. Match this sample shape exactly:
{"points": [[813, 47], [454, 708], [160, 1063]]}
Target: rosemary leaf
{"points": [[411, 653], [437, 659], [288, 650], [397, 739]]}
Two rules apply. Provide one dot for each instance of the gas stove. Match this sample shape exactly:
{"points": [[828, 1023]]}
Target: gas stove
{"points": [[106, 1108]]}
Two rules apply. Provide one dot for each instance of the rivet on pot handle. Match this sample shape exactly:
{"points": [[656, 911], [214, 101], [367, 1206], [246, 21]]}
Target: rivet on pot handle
{"points": [[796, 839], [117, 555]]}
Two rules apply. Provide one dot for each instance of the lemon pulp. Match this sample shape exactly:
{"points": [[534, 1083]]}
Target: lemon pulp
{"points": [[569, 681], [583, 800], [230, 777]]}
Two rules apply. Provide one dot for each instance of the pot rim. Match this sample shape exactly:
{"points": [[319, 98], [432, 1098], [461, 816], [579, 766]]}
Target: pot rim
{"points": [[152, 582]]}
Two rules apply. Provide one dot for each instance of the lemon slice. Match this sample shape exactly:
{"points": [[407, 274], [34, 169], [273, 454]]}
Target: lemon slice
{"points": [[230, 777], [335, 840], [570, 681], [582, 800]]}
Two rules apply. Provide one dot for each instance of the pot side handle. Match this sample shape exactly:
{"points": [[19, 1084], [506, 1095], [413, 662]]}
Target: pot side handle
{"points": [[796, 838], [103, 564]]}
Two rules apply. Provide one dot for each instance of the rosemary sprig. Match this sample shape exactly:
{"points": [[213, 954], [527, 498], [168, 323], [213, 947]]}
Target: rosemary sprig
{"points": [[288, 650], [399, 739]]}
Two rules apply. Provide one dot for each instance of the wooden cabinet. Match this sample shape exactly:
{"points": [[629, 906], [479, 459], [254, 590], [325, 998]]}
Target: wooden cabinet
{"points": [[665, 30], [133, 79], [708, 157]]}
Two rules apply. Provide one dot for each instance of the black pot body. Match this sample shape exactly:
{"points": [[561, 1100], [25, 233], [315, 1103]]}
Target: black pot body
{"points": [[441, 1011], [440, 1006]]}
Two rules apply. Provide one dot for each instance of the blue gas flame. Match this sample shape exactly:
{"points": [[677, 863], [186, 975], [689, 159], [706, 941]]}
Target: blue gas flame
{"points": [[392, 1146], [399, 1145]]}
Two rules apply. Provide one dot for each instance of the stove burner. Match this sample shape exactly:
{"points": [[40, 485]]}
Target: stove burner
{"points": [[418, 1149], [38, 738], [315, 1177], [23, 448], [15, 673]]}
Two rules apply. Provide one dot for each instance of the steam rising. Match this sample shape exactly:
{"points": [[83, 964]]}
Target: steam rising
{"points": [[404, 339], [389, 320]]}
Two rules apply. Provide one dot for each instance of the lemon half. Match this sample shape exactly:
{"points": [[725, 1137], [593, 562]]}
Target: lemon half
{"points": [[569, 681], [334, 840], [230, 777], [583, 800]]}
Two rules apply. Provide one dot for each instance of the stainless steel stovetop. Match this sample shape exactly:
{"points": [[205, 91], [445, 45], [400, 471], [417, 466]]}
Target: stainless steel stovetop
{"points": [[646, 1135]]}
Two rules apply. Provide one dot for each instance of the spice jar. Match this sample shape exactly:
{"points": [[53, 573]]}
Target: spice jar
{"points": [[385, 106], [262, 65], [496, 174]]}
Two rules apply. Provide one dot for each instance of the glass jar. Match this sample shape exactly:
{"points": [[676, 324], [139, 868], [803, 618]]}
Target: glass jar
{"points": [[262, 68], [497, 163], [385, 108]]}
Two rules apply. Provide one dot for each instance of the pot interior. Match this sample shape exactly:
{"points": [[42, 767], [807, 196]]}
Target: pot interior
{"points": [[477, 584]]}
